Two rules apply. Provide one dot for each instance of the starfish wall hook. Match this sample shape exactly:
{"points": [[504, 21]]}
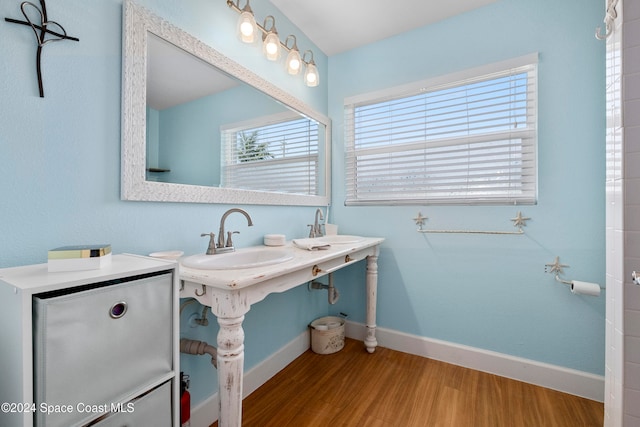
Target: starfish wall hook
{"points": [[555, 267], [520, 221], [420, 220]]}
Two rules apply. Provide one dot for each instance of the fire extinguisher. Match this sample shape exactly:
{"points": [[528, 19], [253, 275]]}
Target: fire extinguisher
{"points": [[185, 401]]}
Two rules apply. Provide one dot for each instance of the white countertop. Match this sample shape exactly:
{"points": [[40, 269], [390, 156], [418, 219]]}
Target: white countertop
{"points": [[302, 259], [36, 278]]}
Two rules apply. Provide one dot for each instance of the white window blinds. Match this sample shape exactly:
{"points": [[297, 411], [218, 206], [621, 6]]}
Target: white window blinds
{"points": [[280, 156], [471, 141]]}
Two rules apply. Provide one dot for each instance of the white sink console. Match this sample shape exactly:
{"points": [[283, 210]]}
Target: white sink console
{"points": [[96, 346], [230, 294]]}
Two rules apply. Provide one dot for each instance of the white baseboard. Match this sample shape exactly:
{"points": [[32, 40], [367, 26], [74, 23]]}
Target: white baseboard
{"points": [[206, 413], [572, 381], [555, 377]]}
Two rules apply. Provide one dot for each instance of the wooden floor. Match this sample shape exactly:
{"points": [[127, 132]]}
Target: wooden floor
{"points": [[389, 388]]}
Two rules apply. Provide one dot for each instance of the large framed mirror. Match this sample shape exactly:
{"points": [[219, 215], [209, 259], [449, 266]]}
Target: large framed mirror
{"points": [[198, 127]]}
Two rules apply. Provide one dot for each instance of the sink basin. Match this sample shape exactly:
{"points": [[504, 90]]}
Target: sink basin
{"points": [[242, 258], [338, 239]]}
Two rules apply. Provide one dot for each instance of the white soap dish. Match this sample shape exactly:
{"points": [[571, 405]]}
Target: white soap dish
{"points": [[274, 239]]}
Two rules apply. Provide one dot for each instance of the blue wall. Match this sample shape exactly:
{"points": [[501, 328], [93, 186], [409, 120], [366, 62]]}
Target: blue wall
{"points": [[60, 178], [491, 291], [60, 158]]}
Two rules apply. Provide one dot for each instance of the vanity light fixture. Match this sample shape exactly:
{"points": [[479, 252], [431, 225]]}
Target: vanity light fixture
{"points": [[271, 44], [311, 73], [247, 27], [294, 61], [270, 40]]}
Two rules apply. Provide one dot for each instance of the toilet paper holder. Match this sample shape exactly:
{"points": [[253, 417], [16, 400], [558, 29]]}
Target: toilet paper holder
{"points": [[577, 287], [556, 267]]}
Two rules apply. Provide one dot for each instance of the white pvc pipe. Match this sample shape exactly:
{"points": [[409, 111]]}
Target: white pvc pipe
{"points": [[334, 295]]}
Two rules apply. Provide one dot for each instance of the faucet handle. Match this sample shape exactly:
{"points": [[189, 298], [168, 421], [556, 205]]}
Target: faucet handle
{"points": [[312, 231], [211, 249], [229, 241]]}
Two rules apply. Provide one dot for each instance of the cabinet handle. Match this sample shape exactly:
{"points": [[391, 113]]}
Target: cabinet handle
{"points": [[315, 270], [118, 310]]}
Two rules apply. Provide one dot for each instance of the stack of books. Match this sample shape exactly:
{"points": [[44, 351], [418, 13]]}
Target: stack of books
{"points": [[77, 258]]}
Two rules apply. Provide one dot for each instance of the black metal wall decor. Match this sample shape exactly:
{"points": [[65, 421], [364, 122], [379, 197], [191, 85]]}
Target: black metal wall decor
{"points": [[41, 30]]}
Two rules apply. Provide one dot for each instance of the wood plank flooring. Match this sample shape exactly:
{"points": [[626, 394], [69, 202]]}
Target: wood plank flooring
{"points": [[394, 389]]}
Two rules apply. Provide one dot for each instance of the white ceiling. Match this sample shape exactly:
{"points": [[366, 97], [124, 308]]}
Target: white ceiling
{"points": [[336, 26]]}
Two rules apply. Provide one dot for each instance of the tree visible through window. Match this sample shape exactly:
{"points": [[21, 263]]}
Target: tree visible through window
{"points": [[279, 156], [249, 149]]}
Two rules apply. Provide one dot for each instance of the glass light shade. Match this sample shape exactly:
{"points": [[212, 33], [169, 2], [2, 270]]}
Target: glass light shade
{"points": [[311, 77], [271, 46], [247, 27], [294, 62]]}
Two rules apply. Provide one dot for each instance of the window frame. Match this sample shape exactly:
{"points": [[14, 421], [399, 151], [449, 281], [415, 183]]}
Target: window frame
{"points": [[490, 72], [228, 134]]}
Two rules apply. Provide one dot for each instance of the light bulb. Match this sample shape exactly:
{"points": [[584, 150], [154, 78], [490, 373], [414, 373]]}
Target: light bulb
{"points": [[311, 75], [272, 46], [293, 62], [311, 79], [247, 27]]}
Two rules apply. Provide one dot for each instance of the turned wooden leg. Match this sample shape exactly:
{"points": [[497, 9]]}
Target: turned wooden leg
{"points": [[372, 288], [230, 366]]}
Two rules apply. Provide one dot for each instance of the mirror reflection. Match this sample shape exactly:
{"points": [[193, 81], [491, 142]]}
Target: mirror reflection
{"points": [[206, 128], [199, 127]]}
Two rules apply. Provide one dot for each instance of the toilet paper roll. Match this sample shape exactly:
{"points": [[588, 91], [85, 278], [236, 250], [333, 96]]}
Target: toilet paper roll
{"points": [[585, 288]]}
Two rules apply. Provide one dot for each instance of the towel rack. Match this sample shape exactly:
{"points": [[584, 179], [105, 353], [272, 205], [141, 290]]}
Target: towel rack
{"points": [[519, 221]]}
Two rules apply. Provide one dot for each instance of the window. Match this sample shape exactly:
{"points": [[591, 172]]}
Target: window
{"points": [[280, 154], [468, 138]]}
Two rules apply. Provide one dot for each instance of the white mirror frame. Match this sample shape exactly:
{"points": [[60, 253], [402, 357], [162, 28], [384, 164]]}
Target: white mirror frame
{"points": [[138, 22]]}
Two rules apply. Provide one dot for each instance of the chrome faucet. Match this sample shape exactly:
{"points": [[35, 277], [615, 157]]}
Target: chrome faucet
{"points": [[316, 228], [228, 245], [223, 246]]}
